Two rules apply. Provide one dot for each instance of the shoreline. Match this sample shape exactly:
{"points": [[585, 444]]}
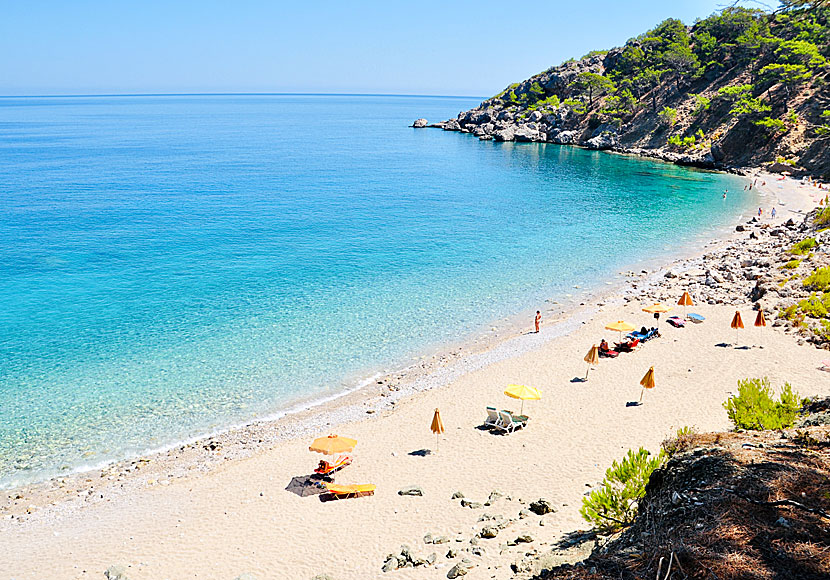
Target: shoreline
{"points": [[121, 494], [382, 389]]}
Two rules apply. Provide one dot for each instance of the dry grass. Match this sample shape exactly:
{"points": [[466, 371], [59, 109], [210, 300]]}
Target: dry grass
{"points": [[710, 512]]}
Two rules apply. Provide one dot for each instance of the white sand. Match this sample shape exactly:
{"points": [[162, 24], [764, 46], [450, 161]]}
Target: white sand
{"points": [[236, 517]]}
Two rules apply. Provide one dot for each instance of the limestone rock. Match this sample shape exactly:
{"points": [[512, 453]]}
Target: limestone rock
{"points": [[420, 123], [489, 531], [412, 490], [541, 507], [605, 140], [116, 572]]}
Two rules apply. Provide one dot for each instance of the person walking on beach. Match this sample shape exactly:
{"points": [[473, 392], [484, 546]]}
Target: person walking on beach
{"points": [[538, 320], [760, 212], [773, 213]]}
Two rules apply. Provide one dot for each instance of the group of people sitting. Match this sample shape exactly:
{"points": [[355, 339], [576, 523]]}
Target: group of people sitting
{"points": [[633, 341]]}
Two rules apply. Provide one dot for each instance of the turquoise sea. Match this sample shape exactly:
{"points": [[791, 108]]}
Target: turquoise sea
{"points": [[170, 265]]}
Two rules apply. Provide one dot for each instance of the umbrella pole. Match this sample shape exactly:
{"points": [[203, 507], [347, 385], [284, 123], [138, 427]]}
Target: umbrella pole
{"points": [[587, 371], [643, 390], [436, 442], [522, 410]]}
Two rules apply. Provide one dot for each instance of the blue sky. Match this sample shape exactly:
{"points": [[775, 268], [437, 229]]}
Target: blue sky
{"points": [[452, 48]]}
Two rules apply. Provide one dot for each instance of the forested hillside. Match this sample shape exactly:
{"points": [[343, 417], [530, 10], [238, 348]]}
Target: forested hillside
{"points": [[741, 88]]}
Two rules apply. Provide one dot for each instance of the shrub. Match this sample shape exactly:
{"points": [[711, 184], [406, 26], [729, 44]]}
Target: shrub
{"points": [[683, 440], [803, 247], [668, 116], [816, 306], [701, 104], [822, 217], [755, 409], [577, 106], [792, 264], [819, 279], [772, 126], [614, 504]]}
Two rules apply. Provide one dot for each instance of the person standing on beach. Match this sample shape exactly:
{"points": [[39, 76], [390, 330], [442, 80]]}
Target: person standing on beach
{"points": [[538, 319], [773, 213]]}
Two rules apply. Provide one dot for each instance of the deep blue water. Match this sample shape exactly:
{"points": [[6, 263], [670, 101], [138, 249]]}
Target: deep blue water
{"points": [[171, 265]]}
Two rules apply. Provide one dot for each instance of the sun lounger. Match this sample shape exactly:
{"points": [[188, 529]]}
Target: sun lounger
{"points": [[326, 468], [627, 346], [352, 490], [825, 365], [696, 318], [492, 419], [609, 353], [509, 422], [676, 321]]}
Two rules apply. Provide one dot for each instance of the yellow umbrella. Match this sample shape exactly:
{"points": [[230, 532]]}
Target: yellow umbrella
{"points": [[621, 326], [437, 426], [332, 444], [685, 301], [522, 392], [592, 358], [657, 309], [736, 324], [647, 382]]}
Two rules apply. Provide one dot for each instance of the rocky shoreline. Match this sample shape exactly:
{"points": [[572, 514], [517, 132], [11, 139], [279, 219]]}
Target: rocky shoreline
{"points": [[503, 126]]}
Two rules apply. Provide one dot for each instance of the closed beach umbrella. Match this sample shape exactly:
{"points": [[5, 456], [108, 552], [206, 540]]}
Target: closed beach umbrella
{"points": [[523, 393], [592, 358], [760, 320], [332, 444], [437, 426], [685, 301], [647, 382], [736, 324], [620, 326]]}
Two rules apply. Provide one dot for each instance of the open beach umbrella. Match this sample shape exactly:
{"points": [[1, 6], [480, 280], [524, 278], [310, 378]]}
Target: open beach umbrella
{"points": [[620, 326], [592, 358], [332, 444], [523, 393], [736, 324], [657, 309], [647, 382], [437, 426], [685, 301]]}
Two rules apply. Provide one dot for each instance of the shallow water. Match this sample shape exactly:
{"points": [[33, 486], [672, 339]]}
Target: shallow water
{"points": [[172, 265]]}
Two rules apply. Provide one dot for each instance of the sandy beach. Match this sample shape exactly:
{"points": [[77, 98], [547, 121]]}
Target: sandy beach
{"points": [[218, 508]]}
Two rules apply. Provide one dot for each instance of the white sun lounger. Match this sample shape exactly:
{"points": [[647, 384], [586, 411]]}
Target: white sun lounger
{"points": [[510, 423], [493, 418]]}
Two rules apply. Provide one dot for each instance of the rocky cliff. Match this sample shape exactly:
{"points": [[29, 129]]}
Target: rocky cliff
{"points": [[743, 88]]}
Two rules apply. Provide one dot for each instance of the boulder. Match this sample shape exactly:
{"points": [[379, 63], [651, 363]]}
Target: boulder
{"points": [[505, 134], [457, 495], [605, 140], [526, 134], [420, 123], [116, 572], [564, 138], [536, 116], [541, 507], [489, 531], [451, 125], [460, 569]]}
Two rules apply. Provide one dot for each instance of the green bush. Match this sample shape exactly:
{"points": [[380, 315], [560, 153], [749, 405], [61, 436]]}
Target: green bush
{"points": [[577, 106], [803, 247], [816, 306], [772, 126], [792, 264], [755, 409], [684, 439], [668, 116], [822, 217], [701, 104], [614, 504], [819, 279]]}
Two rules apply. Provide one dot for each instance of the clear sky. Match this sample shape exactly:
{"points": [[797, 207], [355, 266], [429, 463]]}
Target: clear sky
{"points": [[448, 47]]}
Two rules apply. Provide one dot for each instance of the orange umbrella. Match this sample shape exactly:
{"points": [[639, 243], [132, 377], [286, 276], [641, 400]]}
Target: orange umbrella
{"points": [[736, 324], [760, 320], [647, 382], [437, 426], [685, 301], [592, 358], [332, 444]]}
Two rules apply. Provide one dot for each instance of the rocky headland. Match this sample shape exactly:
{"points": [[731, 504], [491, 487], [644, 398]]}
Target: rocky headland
{"points": [[742, 88]]}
